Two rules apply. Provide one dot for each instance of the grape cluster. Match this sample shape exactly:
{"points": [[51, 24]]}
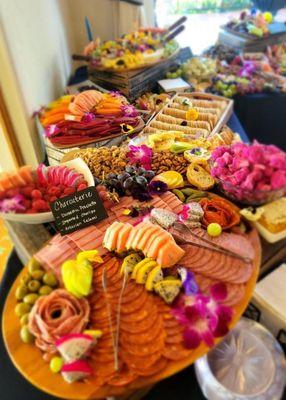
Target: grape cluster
{"points": [[132, 182]]}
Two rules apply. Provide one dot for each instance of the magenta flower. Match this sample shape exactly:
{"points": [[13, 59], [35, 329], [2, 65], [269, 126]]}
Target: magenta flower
{"points": [[141, 155], [51, 130], [129, 111], [203, 317], [88, 117], [12, 205], [115, 93], [157, 187]]}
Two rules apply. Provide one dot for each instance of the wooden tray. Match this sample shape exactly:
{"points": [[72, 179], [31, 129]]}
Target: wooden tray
{"points": [[137, 129], [138, 68], [28, 360], [224, 116]]}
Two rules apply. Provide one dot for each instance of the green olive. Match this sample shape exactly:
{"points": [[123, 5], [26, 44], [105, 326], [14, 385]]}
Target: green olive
{"points": [[26, 335], [50, 279], [22, 309], [21, 292], [34, 286], [38, 274], [31, 298], [24, 319], [45, 290], [33, 265], [25, 279]]}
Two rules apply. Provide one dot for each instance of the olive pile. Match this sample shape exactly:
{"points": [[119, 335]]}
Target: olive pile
{"points": [[34, 284]]}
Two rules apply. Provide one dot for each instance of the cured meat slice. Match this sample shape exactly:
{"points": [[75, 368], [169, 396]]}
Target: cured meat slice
{"points": [[134, 362], [143, 337], [141, 326], [176, 352], [153, 369], [122, 378]]}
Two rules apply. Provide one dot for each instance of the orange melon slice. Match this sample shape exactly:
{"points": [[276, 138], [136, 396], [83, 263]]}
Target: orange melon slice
{"points": [[158, 242], [136, 235], [5, 181], [169, 254], [111, 235], [26, 173], [148, 235], [16, 179], [123, 236]]}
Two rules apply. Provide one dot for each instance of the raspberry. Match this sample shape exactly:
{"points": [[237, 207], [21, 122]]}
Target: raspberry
{"points": [[40, 205], [32, 211], [52, 198], [100, 187], [2, 195], [36, 194], [27, 191], [69, 190], [54, 191], [82, 186], [27, 203]]}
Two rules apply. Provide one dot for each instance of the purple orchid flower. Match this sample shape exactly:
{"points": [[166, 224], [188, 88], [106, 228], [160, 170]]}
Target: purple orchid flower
{"points": [[12, 205]]}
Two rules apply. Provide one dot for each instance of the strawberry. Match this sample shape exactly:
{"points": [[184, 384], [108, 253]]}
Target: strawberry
{"points": [[27, 203], [32, 211], [2, 195], [36, 194]]}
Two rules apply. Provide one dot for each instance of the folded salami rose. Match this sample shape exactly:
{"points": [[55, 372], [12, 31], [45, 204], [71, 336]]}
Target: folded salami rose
{"points": [[56, 315], [219, 211]]}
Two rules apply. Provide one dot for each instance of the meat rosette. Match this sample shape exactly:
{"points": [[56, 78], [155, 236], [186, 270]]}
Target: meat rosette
{"points": [[219, 211], [56, 315]]}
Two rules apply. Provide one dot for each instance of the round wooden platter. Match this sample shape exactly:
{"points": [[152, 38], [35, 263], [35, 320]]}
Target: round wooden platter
{"points": [[28, 359]]}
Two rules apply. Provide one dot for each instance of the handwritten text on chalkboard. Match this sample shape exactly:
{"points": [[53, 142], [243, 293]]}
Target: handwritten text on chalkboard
{"points": [[77, 211]]}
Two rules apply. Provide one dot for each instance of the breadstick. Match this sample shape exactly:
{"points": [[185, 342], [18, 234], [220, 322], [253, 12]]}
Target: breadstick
{"points": [[149, 129], [170, 127], [178, 121], [174, 112]]}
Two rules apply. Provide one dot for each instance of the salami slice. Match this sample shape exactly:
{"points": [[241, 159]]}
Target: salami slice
{"points": [[134, 362], [176, 352], [153, 369], [141, 326], [122, 378]]}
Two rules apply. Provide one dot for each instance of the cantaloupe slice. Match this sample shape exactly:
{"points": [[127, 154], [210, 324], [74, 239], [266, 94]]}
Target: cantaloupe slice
{"points": [[123, 236], [16, 179], [158, 242], [111, 235], [5, 181], [149, 233], [26, 173], [140, 231], [169, 254]]}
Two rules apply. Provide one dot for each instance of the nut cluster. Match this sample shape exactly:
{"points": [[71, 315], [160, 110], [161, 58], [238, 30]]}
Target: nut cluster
{"points": [[166, 160], [104, 160]]}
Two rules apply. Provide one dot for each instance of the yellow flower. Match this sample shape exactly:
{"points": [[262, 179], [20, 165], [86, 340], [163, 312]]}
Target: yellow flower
{"points": [[192, 114], [127, 129], [268, 17], [126, 211], [90, 255]]}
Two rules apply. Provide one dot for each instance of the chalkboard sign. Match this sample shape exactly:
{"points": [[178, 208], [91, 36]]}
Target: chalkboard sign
{"points": [[78, 210]]}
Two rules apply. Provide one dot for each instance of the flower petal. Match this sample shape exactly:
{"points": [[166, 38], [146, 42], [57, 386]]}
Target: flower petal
{"points": [[218, 291], [192, 339]]}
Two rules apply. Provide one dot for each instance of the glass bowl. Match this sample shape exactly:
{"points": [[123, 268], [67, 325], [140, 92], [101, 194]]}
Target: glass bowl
{"points": [[249, 197]]}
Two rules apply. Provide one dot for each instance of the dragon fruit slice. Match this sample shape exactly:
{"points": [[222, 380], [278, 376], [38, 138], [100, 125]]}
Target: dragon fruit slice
{"points": [[57, 175], [63, 174], [74, 178], [74, 346], [75, 371], [42, 174], [51, 174]]}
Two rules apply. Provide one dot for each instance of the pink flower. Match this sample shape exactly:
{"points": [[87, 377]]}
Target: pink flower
{"points": [[141, 155], [241, 175], [12, 205], [129, 111], [88, 117], [51, 130], [203, 317]]}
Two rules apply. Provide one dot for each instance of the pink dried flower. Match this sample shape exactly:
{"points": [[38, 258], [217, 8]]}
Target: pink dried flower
{"points": [[51, 130], [278, 179], [129, 111], [88, 117]]}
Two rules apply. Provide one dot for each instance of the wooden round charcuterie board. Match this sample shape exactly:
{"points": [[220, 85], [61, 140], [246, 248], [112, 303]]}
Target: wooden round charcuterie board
{"points": [[28, 360]]}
